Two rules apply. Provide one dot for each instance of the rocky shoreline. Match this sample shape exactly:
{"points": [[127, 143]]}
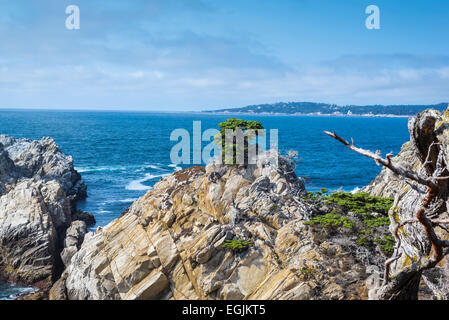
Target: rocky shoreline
{"points": [[39, 189], [214, 232], [220, 232]]}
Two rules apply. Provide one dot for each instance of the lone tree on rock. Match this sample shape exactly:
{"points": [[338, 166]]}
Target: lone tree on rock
{"points": [[419, 215], [240, 134]]}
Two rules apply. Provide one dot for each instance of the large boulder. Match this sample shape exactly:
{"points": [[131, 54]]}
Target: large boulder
{"points": [[39, 188]]}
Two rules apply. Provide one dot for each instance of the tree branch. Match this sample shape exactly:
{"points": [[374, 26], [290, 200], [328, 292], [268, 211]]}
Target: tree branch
{"points": [[398, 169], [435, 183]]}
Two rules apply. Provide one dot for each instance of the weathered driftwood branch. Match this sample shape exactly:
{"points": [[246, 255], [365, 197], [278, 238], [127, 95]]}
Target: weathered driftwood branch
{"points": [[435, 199], [398, 169]]}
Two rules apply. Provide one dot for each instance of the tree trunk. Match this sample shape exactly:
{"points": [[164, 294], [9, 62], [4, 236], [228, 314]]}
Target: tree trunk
{"points": [[418, 209]]}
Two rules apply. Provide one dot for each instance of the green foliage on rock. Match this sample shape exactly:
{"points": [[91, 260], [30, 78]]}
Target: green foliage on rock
{"points": [[386, 244], [377, 222], [365, 216], [363, 241], [314, 197], [237, 245], [251, 129], [331, 220], [360, 203]]}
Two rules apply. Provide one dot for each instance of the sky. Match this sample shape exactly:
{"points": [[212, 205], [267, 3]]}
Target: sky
{"points": [[192, 55]]}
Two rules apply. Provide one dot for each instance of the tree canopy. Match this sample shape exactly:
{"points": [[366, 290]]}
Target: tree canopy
{"points": [[250, 129]]}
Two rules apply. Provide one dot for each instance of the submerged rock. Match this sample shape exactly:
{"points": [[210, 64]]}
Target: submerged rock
{"points": [[39, 188], [220, 232]]}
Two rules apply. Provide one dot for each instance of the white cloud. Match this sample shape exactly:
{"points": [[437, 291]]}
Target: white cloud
{"points": [[118, 61]]}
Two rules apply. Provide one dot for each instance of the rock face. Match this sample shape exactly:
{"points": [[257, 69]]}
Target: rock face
{"points": [[171, 244], [39, 188], [428, 125], [387, 184]]}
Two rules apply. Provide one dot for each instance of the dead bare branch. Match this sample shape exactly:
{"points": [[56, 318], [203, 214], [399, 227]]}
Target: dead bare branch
{"points": [[432, 202], [398, 169]]}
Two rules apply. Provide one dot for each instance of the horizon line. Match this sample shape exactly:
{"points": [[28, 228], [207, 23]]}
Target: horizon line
{"points": [[218, 109]]}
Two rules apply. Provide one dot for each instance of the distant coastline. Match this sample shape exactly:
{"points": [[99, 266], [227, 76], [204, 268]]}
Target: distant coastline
{"points": [[330, 110], [311, 114]]}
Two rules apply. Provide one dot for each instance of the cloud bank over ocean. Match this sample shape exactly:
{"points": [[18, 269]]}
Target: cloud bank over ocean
{"points": [[184, 55]]}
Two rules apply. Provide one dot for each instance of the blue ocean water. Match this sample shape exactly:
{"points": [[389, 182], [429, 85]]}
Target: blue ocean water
{"points": [[122, 154], [9, 291]]}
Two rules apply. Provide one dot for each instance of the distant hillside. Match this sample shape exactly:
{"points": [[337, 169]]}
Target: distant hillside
{"points": [[312, 108]]}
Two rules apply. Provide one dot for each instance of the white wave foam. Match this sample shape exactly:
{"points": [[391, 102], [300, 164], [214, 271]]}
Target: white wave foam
{"points": [[150, 166], [99, 169], [104, 211], [175, 167], [14, 292], [137, 185], [356, 189], [128, 200]]}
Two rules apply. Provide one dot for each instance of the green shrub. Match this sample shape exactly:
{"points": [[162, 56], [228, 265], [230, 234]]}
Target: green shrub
{"points": [[363, 241], [312, 196], [331, 220], [386, 244], [379, 240], [377, 222], [360, 203], [322, 192], [364, 223], [388, 249], [237, 245]]}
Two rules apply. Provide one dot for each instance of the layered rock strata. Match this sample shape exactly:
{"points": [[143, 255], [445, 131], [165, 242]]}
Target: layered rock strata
{"points": [[39, 188], [220, 232]]}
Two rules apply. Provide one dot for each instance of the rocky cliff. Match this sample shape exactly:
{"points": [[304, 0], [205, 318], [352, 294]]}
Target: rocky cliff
{"points": [[429, 125], [220, 232], [39, 188], [388, 184]]}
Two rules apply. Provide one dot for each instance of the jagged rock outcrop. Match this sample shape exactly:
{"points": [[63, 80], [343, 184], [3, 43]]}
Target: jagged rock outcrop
{"points": [[73, 239], [429, 141], [387, 184], [171, 243], [39, 188]]}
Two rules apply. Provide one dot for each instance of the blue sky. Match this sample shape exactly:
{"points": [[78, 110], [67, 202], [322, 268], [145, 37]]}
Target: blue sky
{"points": [[179, 55]]}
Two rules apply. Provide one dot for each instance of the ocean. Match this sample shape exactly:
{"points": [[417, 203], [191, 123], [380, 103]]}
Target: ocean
{"points": [[121, 155]]}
